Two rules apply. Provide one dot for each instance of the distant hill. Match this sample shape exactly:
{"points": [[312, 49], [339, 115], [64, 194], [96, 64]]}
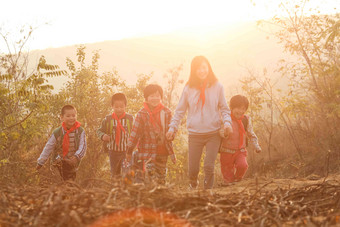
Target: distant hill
{"points": [[228, 48]]}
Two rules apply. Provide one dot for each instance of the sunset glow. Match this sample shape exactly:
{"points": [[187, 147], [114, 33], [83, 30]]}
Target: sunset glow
{"points": [[76, 22]]}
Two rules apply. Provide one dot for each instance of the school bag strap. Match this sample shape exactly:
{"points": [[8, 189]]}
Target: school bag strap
{"points": [[129, 122], [245, 122], [109, 123], [162, 116]]}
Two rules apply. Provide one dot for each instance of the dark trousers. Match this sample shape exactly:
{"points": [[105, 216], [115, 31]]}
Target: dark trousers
{"points": [[67, 171], [116, 160]]}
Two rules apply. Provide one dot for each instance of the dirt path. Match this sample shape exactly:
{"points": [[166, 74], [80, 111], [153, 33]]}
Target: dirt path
{"points": [[269, 184], [251, 202]]}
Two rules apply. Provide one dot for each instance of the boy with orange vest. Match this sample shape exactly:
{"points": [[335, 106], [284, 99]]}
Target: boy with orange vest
{"points": [[233, 153]]}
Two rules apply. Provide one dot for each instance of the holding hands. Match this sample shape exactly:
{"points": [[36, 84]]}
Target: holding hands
{"points": [[170, 136], [258, 150], [106, 138], [227, 130]]}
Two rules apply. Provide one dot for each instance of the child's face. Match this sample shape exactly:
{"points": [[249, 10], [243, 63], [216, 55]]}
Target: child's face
{"points": [[119, 107], [154, 99], [69, 117], [202, 71], [238, 112]]}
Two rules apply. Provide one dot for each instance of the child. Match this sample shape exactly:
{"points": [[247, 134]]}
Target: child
{"points": [[203, 98], [67, 143], [115, 131], [233, 153], [150, 126]]}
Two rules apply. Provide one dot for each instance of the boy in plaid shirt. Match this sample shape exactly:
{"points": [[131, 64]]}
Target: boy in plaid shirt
{"points": [[148, 131]]}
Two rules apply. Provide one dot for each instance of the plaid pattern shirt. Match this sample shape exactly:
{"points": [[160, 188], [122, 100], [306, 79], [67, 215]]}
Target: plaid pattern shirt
{"points": [[144, 134]]}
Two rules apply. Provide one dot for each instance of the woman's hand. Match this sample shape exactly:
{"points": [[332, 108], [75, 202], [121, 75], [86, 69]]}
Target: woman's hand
{"points": [[170, 136], [227, 130]]}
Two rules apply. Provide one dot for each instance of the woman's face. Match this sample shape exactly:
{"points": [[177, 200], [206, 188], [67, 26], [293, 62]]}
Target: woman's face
{"points": [[202, 71]]}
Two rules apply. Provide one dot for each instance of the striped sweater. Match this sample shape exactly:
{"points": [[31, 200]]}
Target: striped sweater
{"points": [[109, 126]]}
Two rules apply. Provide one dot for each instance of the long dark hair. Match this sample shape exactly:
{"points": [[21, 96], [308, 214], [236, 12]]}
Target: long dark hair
{"points": [[196, 62]]}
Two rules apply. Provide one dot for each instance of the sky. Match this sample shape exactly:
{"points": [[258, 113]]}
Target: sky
{"points": [[68, 22]]}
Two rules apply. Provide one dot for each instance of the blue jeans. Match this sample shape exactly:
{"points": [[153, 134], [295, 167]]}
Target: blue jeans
{"points": [[116, 160], [196, 144]]}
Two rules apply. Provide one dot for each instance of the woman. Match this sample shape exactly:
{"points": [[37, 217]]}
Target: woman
{"points": [[203, 98]]}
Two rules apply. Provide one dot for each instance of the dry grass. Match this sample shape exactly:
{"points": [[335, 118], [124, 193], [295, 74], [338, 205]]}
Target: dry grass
{"points": [[252, 202]]}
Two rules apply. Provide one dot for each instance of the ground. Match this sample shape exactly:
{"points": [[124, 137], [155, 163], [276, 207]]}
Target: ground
{"points": [[311, 201]]}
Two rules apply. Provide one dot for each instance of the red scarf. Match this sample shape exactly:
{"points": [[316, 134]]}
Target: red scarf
{"points": [[241, 128], [202, 92], [119, 126], [154, 114], [66, 140]]}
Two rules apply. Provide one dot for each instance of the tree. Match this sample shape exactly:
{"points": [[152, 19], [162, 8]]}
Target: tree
{"points": [[312, 100], [172, 82], [25, 97], [83, 90]]}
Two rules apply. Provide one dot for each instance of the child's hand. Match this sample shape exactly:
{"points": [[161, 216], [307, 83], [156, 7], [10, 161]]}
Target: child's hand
{"points": [[170, 136], [72, 161], [173, 159], [227, 130], [128, 157], [106, 138], [221, 132], [258, 150], [38, 167]]}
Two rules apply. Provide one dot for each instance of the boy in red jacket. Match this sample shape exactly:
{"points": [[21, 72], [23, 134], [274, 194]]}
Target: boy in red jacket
{"points": [[233, 153]]}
